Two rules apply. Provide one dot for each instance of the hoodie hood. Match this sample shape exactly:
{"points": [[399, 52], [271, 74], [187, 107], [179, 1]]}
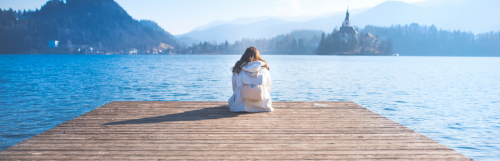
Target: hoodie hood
{"points": [[253, 66]]}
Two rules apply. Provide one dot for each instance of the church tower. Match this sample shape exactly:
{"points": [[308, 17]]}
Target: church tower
{"points": [[347, 21], [347, 32]]}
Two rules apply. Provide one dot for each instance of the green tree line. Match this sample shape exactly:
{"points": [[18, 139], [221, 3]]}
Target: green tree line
{"points": [[295, 42], [415, 39]]}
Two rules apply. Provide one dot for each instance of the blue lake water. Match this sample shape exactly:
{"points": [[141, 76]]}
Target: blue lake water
{"points": [[454, 100]]}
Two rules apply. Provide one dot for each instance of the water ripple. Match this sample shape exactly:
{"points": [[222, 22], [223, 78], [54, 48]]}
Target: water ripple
{"points": [[453, 100]]}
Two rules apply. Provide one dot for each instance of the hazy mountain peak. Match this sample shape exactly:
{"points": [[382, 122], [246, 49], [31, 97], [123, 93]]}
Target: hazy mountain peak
{"points": [[439, 3], [392, 5], [238, 21], [210, 24]]}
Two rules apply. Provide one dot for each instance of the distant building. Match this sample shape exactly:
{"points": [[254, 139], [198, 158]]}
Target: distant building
{"points": [[53, 44], [347, 41], [370, 44], [132, 51], [368, 40], [347, 32]]}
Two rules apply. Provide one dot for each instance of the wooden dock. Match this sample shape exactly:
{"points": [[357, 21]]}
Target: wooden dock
{"points": [[208, 131]]}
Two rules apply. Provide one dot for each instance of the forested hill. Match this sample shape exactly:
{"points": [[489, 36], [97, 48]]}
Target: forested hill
{"points": [[102, 24], [417, 40]]}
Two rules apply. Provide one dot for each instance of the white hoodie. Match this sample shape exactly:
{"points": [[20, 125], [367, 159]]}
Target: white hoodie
{"points": [[238, 104]]}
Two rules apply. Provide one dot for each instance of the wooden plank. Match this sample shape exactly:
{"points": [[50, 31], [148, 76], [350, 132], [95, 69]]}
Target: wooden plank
{"points": [[208, 131]]}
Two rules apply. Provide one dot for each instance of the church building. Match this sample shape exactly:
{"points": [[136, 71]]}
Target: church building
{"points": [[347, 32], [347, 41]]}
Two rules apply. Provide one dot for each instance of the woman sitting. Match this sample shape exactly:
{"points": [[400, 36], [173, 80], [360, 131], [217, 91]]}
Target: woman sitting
{"points": [[251, 84]]}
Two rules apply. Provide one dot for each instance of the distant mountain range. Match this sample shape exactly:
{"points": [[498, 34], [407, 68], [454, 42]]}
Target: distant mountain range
{"points": [[249, 20], [477, 16], [260, 27]]}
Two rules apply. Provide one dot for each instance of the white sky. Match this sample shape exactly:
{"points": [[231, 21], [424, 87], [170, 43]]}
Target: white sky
{"points": [[181, 16]]}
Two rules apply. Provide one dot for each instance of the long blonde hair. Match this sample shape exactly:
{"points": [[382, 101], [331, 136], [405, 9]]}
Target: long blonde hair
{"points": [[250, 55]]}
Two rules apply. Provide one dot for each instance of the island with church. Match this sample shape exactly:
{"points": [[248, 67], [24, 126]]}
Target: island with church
{"points": [[347, 41]]}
